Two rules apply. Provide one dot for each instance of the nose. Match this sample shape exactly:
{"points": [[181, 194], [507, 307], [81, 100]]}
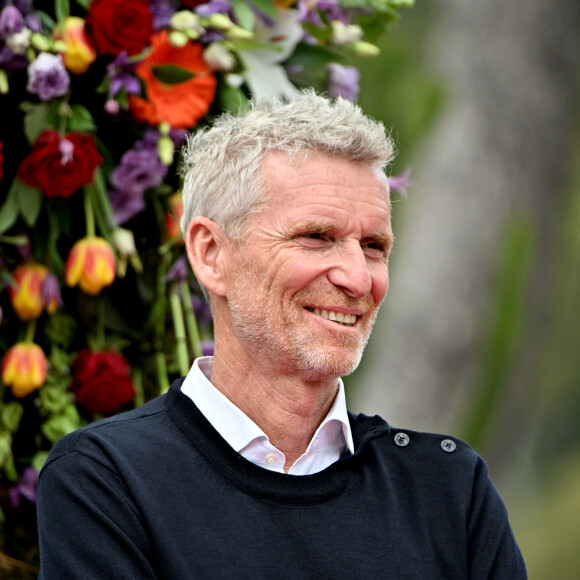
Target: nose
{"points": [[350, 271]]}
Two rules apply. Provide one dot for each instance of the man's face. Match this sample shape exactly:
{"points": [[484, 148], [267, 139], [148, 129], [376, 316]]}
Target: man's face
{"points": [[305, 286]]}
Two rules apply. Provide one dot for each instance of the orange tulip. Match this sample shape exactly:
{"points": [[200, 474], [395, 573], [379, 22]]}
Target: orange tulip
{"points": [[79, 54], [173, 217], [27, 298], [91, 265], [24, 368]]}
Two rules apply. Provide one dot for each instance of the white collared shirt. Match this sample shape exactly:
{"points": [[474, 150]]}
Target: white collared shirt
{"points": [[332, 438]]}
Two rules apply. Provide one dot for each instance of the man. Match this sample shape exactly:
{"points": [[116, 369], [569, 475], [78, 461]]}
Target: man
{"points": [[251, 467]]}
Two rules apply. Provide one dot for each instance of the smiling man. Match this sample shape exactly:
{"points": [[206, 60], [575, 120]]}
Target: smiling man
{"points": [[251, 466]]}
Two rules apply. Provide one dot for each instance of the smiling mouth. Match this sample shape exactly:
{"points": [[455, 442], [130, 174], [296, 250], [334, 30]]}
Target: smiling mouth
{"points": [[338, 317]]}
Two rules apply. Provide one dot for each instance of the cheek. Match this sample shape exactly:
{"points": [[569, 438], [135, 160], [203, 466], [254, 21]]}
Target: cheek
{"points": [[380, 285]]}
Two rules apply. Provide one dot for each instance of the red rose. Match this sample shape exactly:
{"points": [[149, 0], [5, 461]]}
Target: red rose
{"points": [[60, 165], [115, 26], [101, 381], [193, 3]]}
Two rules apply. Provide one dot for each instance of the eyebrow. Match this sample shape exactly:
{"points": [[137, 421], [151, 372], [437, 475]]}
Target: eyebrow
{"points": [[386, 239]]}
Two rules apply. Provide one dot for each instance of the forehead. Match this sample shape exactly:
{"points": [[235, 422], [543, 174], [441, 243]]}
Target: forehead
{"points": [[321, 186]]}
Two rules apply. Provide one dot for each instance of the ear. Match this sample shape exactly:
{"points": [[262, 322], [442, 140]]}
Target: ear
{"points": [[205, 242]]}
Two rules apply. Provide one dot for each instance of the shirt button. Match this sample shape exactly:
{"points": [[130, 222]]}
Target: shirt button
{"points": [[448, 445], [402, 439], [270, 459]]}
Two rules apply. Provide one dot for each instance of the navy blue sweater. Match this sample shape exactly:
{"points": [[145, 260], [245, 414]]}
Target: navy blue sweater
{"points": [[157, 493]]}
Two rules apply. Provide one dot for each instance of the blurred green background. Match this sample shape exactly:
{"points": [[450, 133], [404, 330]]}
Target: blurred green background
{"points": [[480, 334]]}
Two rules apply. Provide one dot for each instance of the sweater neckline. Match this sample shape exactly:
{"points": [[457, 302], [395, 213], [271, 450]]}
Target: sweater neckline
{"points": [[254, 480]]}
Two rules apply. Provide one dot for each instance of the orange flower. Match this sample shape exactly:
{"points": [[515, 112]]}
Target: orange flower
{"points": [[181, 104], [173, 217], [79, 51], [91, 265], [27, 298], [24, 368]]}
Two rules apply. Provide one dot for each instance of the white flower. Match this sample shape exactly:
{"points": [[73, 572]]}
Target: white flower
{"points": [[218, 57], [263, 73], [343, 34], [19, 41]]}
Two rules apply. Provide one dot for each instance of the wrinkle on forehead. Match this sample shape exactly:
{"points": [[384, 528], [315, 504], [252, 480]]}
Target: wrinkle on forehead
{"points": [[273, 160]]}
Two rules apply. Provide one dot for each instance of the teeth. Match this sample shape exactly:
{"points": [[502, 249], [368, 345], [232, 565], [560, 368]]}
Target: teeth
{"points": [[346, 319]]}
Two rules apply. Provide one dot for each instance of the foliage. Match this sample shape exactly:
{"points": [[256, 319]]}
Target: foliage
{"points": [[96, 98]]}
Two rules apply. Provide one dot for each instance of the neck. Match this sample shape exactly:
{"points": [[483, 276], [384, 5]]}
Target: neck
{"points": [[287, 408]]}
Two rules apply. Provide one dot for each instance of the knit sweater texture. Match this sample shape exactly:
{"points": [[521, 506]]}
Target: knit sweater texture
{"points": [[157, 493]]}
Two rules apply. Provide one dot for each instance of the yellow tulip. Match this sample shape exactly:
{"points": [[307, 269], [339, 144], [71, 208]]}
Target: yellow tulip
{"points": [[26, 298], [79, 53], [91, 265], [24, 368]]}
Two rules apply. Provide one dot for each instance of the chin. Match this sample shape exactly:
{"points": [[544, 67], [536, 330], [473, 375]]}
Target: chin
{"points": [[329, 363]]}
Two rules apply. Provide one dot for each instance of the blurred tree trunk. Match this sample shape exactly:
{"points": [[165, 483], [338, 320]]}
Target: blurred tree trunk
{"points": [[488, 188]]}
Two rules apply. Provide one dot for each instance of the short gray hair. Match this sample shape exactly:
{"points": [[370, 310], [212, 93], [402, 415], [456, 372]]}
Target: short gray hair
{"points": [[221, 166]]}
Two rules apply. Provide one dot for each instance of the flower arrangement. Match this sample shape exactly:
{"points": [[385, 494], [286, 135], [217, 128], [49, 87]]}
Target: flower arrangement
{"points": [[98, 308]]}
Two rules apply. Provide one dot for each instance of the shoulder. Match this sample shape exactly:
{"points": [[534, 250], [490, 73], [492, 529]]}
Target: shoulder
{"points": [[430, 459], [109, 439]]}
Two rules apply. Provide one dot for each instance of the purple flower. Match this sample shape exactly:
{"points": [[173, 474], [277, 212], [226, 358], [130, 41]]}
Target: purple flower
{"points": [[33, 23], [11, 21], [178, 271], [11, 61], [24, 248], [399, 183], [126, 204], [308, 10], [26, 487], [149, 140], [47, 77], [162, 11], [342, 81], [213, 7], [50, 291], [25, 6], [122, 77], [202, 310], [139, 170], [207, 347]]}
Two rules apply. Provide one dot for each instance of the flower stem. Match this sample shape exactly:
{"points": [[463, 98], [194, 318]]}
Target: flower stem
{"points": [[159, 324], [30, 331], [89, 214], [180, 339], [100, 307], [190, 321]]}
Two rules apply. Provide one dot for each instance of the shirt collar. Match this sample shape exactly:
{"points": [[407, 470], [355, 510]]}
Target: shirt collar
{"points": [[238, 429]]}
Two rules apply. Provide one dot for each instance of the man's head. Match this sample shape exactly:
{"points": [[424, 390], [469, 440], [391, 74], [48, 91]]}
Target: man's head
{"points": [[294, 253], [221, 167]]}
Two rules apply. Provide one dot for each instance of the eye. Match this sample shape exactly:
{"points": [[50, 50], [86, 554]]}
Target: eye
{"points": [[374, 249], [313, 240]]}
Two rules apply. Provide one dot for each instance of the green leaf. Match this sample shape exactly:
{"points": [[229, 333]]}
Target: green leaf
{"points": [[84, 3], [60, 425], [314, 57], [36, 120], [81, 120], [9, 211], [11, 415], [171, 74], [30, 203], [54, 399], [233, 99], [62, 11], [267, 7], [244, 14], [39, 459]]}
